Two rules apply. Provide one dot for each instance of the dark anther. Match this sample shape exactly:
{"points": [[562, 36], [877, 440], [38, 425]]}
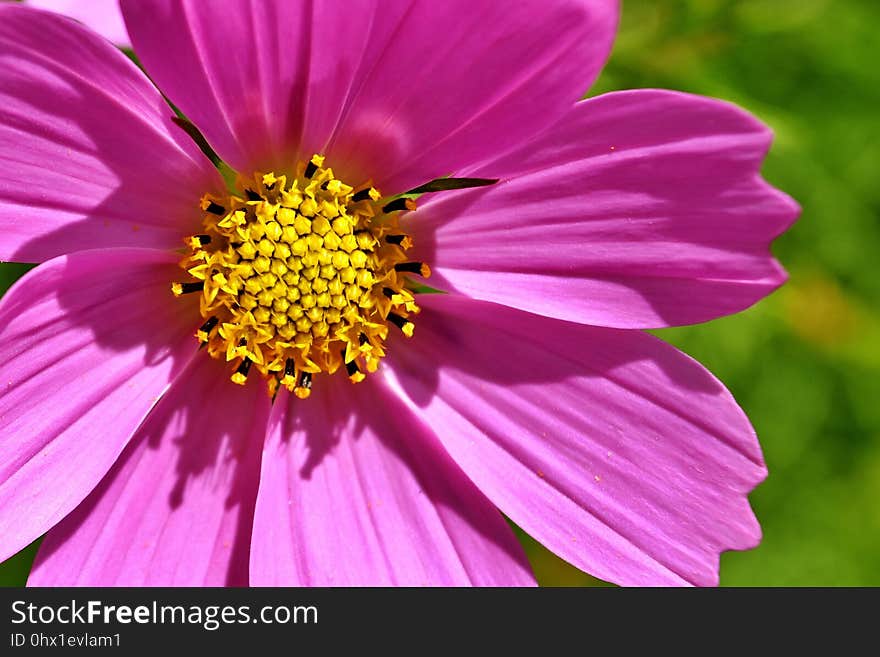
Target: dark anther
{"points": [[352, 367], [242, 342], [253, 196], [325, 184], [446, 184], [397, 204], [388, 292], [397, 320], [305, 380], [395, 239], [411, 267], [363, 339], [215, 208], [244, 368], [208, 326], [311, 167], [361, 195], [203, 239], [189, 288], [271, 186], [289, 367]]}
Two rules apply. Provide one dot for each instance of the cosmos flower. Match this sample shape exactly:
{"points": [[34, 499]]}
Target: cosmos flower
{"points": [[243, 381]]}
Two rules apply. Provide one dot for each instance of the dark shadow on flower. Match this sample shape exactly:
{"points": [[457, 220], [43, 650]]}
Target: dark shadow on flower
{"points": [[149, 195], [689, 207], [197, 453], [126, 306], [320, 422], [126, 309], [150, 190], [190, 441], [512, 348], [390, 448]]}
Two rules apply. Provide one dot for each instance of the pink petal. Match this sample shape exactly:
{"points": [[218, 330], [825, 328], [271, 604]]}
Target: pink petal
{"points": [[399, 92], [355, 490], [619, 453], [177, 507], [103, 16], [89, 157], [88, 343], [639, 209]]}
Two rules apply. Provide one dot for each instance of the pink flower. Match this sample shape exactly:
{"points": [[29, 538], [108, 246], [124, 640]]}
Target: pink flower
{"points": [[529, 387], [103, 16]]}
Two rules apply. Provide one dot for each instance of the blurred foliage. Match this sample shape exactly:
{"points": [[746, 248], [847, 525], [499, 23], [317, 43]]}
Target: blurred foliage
{"points": [[805, 364]]}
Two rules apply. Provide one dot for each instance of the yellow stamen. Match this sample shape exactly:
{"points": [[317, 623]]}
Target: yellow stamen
{"points": [[300, 276]]}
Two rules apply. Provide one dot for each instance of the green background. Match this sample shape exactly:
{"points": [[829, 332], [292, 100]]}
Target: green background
{"points": [[805, 363]]}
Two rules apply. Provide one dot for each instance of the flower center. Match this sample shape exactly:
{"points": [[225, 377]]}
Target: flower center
{"points": [[298, 277]]}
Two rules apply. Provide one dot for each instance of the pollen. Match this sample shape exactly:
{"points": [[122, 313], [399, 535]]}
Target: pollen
{"points": [[300, 276]]}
